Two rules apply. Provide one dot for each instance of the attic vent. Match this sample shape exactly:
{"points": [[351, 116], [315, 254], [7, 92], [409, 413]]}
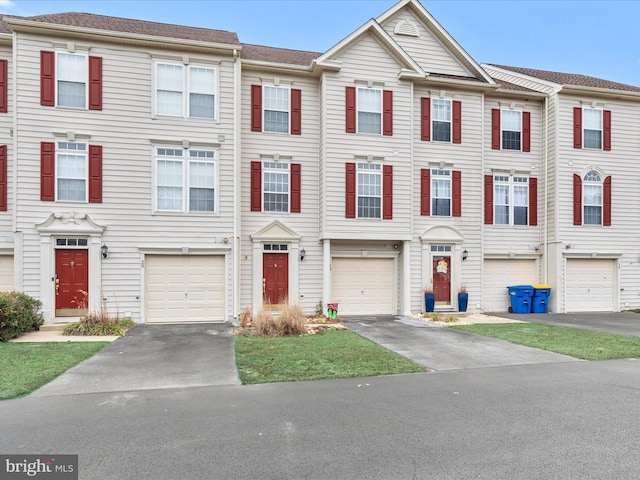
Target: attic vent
{"points": [[405, 27]]}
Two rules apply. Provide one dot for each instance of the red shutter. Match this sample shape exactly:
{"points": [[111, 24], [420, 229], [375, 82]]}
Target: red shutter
{"points": [[4, 108], [3, 178], [256, 108], [425, 122], [457, 121], [606, 202], [295, 187], [456, 193], [95, 83], [606, 121], [296, 111], [95, 173], [47, 171], [533, 201], [350, 109], [256, 186], [577, 130], [495, 129], [350, 190], [577, 199], [47, 79], [526, 131], [387, 112], [488, 199], [425, 191], [387, 192]]}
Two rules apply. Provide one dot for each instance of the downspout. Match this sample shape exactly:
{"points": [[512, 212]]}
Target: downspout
{"points": [[545, 266], [236, 187], [482, 194], [406, 252], [17, 238]]}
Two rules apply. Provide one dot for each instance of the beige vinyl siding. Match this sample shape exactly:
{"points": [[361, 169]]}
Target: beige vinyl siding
{"points": [[366, 60], [6, 273], [302, 149], [128, 171], [427, 50]]}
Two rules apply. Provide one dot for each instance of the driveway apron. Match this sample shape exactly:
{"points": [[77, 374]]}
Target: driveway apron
{"points": [[440, 348], [153, 357]]}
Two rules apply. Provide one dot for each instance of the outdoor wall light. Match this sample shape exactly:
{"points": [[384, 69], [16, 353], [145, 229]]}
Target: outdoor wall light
{"points": [[465, 254], [302, 253], [104, 250]]}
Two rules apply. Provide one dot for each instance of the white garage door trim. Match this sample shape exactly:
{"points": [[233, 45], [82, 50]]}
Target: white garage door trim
{"points": [[6, 273], [590, 285], [185, 288], [501, 273], [364, 286]]}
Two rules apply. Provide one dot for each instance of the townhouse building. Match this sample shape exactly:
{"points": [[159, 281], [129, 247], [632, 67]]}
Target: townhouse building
{"points": [[173, 173]]}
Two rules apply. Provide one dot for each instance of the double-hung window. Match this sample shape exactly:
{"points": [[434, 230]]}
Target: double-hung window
{"points": [[441, 192], [276, 109], [276, 187], [71, 171], [441, 120], [592, 128], [511, 200], [592, 198], [185, 91], [185, 180], [369, 188], [72, 75], [369, 104], [511, 122]]}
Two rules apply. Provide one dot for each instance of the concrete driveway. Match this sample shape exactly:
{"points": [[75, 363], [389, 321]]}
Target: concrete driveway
{"points": [[623, 323], [439, 348], [154, 357]]}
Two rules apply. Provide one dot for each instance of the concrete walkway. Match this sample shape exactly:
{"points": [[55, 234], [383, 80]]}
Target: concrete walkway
{"points": [[153, 357], [440, 348]]}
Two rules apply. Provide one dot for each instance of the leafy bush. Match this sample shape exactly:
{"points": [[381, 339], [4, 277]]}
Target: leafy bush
{"points": [[19, 313]]}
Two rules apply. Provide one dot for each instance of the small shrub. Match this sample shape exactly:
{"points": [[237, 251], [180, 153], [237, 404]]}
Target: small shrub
{"points": [[450, 319], [264, 324], [291, 321], [93, 324], [245, 318], [19, 313]]}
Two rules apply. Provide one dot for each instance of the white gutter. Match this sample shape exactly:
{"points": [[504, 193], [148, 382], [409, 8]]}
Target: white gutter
{"points": [[237, 126]]}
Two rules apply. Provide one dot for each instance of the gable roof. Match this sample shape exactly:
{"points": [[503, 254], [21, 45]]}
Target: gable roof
{"points": [[278, 55], [570, 79]]}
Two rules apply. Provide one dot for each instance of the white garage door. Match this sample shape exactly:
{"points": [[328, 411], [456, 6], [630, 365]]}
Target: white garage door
{"points": [[498, 275], [6, 273], [590, 285], [363, 286], [185, 288]]}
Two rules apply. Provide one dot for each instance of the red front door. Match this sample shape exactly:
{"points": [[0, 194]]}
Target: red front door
{"points": [[275, 278], [442, 279], [72, 282]]}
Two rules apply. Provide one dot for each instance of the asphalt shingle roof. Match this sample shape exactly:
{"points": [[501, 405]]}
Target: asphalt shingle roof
{"points": [[278, 55]]}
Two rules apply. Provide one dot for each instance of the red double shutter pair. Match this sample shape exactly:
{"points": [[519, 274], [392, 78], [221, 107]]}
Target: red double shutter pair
{"points": [[295, 179], [496, 131], [425, 192], [351, 112], [577, 128], [577, 200], [351, 191], [425, 120], [48, 172], [48, 80], [488, 200], [256, 110]]}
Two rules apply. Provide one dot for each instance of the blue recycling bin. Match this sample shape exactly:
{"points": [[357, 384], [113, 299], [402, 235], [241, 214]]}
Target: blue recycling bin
{"points": [[521, 296], [540, 300]]}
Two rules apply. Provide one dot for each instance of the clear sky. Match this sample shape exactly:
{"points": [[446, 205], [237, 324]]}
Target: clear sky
{"points": [[591, 37]]}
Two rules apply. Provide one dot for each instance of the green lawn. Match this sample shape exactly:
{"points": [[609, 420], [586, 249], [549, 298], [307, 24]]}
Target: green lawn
{"points": [[25, 367], [331, 354], [574, 342]]}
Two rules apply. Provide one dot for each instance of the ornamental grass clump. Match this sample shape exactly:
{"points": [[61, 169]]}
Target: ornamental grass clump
{"points": [[290, 322]]}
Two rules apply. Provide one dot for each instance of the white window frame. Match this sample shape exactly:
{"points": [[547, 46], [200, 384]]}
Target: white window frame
{"points": [[186, 160], [372, 170], [186, 90], [448, 120], [62, 149], [359, 109], [596, 185], [287, 97], [585, 129], [512, 184], [280, 169], [440, 175], [503, 112], [84, 79]]}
